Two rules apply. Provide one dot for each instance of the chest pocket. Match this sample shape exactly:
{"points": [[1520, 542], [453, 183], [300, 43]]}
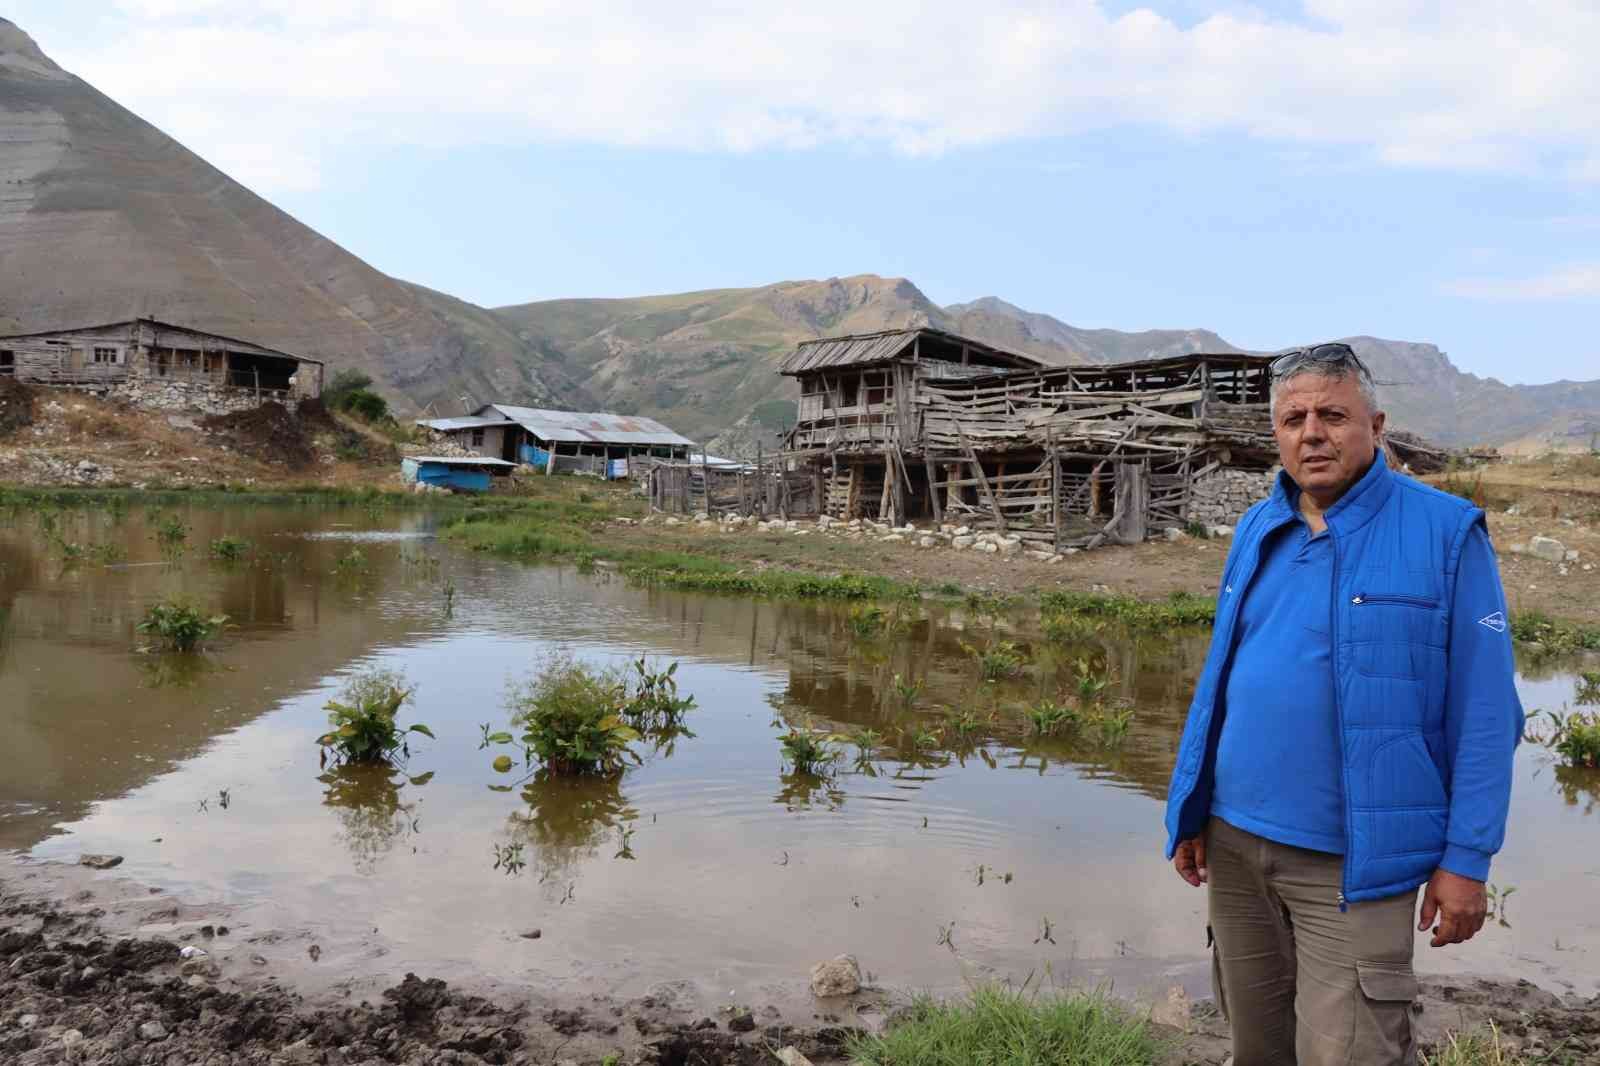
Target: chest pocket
{"points": [[1397, 628]]}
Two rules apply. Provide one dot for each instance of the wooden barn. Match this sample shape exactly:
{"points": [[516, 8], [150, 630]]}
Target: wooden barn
{"points": [[160, 364]]}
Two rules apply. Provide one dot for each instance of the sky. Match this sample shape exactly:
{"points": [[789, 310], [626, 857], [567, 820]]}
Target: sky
{"points": [[1279, 172]]}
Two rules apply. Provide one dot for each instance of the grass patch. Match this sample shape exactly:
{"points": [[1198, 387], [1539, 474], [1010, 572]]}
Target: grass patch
{"points": [[1178, 610], [1485, 1048], [1000, 1027], [1553, 635]]}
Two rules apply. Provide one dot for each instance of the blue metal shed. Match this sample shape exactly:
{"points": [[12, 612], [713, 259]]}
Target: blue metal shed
{"points": [[453, 472]]}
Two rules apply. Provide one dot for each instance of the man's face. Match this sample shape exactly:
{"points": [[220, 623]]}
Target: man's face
{"points": [[1326, 435]]}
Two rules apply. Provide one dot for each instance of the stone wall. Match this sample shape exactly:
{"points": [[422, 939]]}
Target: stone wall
{"points": [[157, 394], [1222, 498]]}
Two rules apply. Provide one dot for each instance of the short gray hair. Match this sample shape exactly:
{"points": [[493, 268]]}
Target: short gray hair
{"points": [[1325, 361]]}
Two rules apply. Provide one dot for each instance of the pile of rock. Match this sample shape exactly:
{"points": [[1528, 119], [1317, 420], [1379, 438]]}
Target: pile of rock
{"points": [[1223, 497], [1551, 550], [162, 395]]}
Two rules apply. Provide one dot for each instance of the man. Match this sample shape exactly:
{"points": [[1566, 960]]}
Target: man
{"points": [[1350, 738]]}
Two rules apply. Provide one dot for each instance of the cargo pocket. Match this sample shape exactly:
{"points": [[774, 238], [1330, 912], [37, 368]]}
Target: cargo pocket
{"points": [[1383, 1021], [1216, 976]]}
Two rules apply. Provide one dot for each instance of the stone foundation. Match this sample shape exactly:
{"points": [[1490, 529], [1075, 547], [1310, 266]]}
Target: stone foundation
{"points": [[157, 394], [1223, 497]]}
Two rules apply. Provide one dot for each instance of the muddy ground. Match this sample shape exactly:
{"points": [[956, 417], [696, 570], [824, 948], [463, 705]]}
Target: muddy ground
{"points": [[78, 984]]}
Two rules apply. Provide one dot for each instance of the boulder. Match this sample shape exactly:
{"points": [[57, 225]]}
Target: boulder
{"points": [[790, 1056], [960, 541], [1221, 531], [100, 862], [1173, 533], [1008, 548], [1547, 548], [988, 547], [926, 541], [892, 538], [963, 531], [839, 976]]}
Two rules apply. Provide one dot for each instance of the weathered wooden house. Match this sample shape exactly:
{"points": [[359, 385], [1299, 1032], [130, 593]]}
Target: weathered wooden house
{"points": [[161, 365], [919, 423], [562, 441]]}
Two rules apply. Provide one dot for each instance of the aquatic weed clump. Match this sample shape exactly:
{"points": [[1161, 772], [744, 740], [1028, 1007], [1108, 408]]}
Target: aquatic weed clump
{"points": [[364, 720], [229, 549], [571, 717], [1574, 736], [180, 626], [809, 750]]}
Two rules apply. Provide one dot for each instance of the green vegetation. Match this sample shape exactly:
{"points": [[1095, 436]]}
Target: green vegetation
{"points": [[808, 750], [868, 620], [1001, 1027], [1588, 687], [997, 660], [180, 626], [364, 727], [654, 705], [1050, 719], [170, 532], [571, 717], [706, 576], [352, 563], [1553, 636], [1177, 610], [230, 549], [1575, 737]]}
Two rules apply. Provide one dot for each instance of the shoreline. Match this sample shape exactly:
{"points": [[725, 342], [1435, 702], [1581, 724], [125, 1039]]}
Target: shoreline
{"points": [[92, 970]]}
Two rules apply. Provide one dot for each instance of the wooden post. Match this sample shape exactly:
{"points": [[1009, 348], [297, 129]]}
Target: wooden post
{"points": [[933, 489], [761, 478], [705, 476], [1055, 489]]}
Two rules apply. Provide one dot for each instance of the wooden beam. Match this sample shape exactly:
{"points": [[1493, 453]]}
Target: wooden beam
{"points": [[983, 482]]}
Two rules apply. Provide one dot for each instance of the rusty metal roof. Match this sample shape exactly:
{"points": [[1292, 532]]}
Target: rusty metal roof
{"points": [[863, 349], [587, 426]]}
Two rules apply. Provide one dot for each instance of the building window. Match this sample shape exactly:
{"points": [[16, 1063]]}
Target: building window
{"points": [[477, 438], [107, 354], [8, 362]]}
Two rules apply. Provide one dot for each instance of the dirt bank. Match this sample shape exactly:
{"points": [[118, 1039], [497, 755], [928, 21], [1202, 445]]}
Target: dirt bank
{"points": [[76, 987]]}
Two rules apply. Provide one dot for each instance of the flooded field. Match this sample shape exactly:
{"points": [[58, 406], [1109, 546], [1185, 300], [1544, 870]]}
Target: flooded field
{"points": [[952, 844]]}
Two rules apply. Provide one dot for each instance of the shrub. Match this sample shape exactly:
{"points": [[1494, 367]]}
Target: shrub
{"points": [[364, 723], [230, 549], [367, 406], [171, 533], [572, 717], [342, 384], [180, 626], [653, 704]]}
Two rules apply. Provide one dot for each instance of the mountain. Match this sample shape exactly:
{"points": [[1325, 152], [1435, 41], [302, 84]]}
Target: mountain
{"points": [[994, 320], [103, 217]]}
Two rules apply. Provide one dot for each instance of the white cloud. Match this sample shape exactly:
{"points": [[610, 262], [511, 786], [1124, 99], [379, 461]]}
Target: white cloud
{"points": [[1581, 282], [1472, 84]]}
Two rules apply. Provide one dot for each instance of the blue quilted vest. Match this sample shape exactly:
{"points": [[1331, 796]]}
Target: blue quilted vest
{"points": [[1397, 543]]}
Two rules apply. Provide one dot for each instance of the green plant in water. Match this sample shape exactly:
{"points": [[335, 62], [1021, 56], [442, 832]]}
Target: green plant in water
{"points": [[1575, 737], [964, 723], [1049, 718], [652, 700], [808, 750], [180, 626], [107, 553], [1588, 687], [998, 660], [585, 564], [1069, 628], [171, 533], [907, 691], [1091, 683], [364, 720], [868, 620], [866, 742], [1552, 636], [229, 549], [352, 563], [1111, 727], [572, 719]]}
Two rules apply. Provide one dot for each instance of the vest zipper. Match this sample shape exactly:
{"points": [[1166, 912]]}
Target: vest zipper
{"points": [[1338, 707]]}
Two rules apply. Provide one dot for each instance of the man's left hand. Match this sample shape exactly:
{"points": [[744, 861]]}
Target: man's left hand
{"points": [[1459, 903]]}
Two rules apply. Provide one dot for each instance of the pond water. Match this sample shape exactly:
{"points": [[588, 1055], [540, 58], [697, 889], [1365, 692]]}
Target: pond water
{"points": [[995, 855]]}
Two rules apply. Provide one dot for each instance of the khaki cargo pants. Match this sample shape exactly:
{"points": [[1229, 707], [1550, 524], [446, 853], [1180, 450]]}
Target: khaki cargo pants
{"points": [[1301, 982]]}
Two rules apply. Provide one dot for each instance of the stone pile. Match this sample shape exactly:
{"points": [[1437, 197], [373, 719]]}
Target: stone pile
{"points": [[162, 395]]}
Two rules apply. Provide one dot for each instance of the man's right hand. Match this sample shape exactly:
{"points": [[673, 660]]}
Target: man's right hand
{"points": [[1190, 861]]}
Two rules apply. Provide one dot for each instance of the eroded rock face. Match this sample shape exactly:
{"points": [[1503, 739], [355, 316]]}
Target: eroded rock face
{"points": [[839, 976]]}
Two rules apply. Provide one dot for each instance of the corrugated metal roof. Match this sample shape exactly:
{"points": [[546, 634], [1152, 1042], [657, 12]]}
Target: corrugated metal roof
{"points": [[449, 425], [589, 426], [457, 460], [863, 349]]}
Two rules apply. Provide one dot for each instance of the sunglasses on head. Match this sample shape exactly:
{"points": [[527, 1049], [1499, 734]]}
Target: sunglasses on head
{"points": [[1333, 354]]}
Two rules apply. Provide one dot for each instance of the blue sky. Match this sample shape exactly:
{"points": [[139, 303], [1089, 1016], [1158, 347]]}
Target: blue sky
{"points": [[1276, 172]]}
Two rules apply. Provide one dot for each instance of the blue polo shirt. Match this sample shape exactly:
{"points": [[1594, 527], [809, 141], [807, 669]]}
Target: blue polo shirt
{"points": [[1278, 772]]}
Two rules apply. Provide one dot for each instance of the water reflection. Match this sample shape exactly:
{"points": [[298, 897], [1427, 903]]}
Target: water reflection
{"points": [[371, 813], [566, 820], [1580, 787]]}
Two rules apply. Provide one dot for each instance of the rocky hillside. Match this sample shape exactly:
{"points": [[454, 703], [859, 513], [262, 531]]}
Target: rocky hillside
{"points": [[104, 217]]}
